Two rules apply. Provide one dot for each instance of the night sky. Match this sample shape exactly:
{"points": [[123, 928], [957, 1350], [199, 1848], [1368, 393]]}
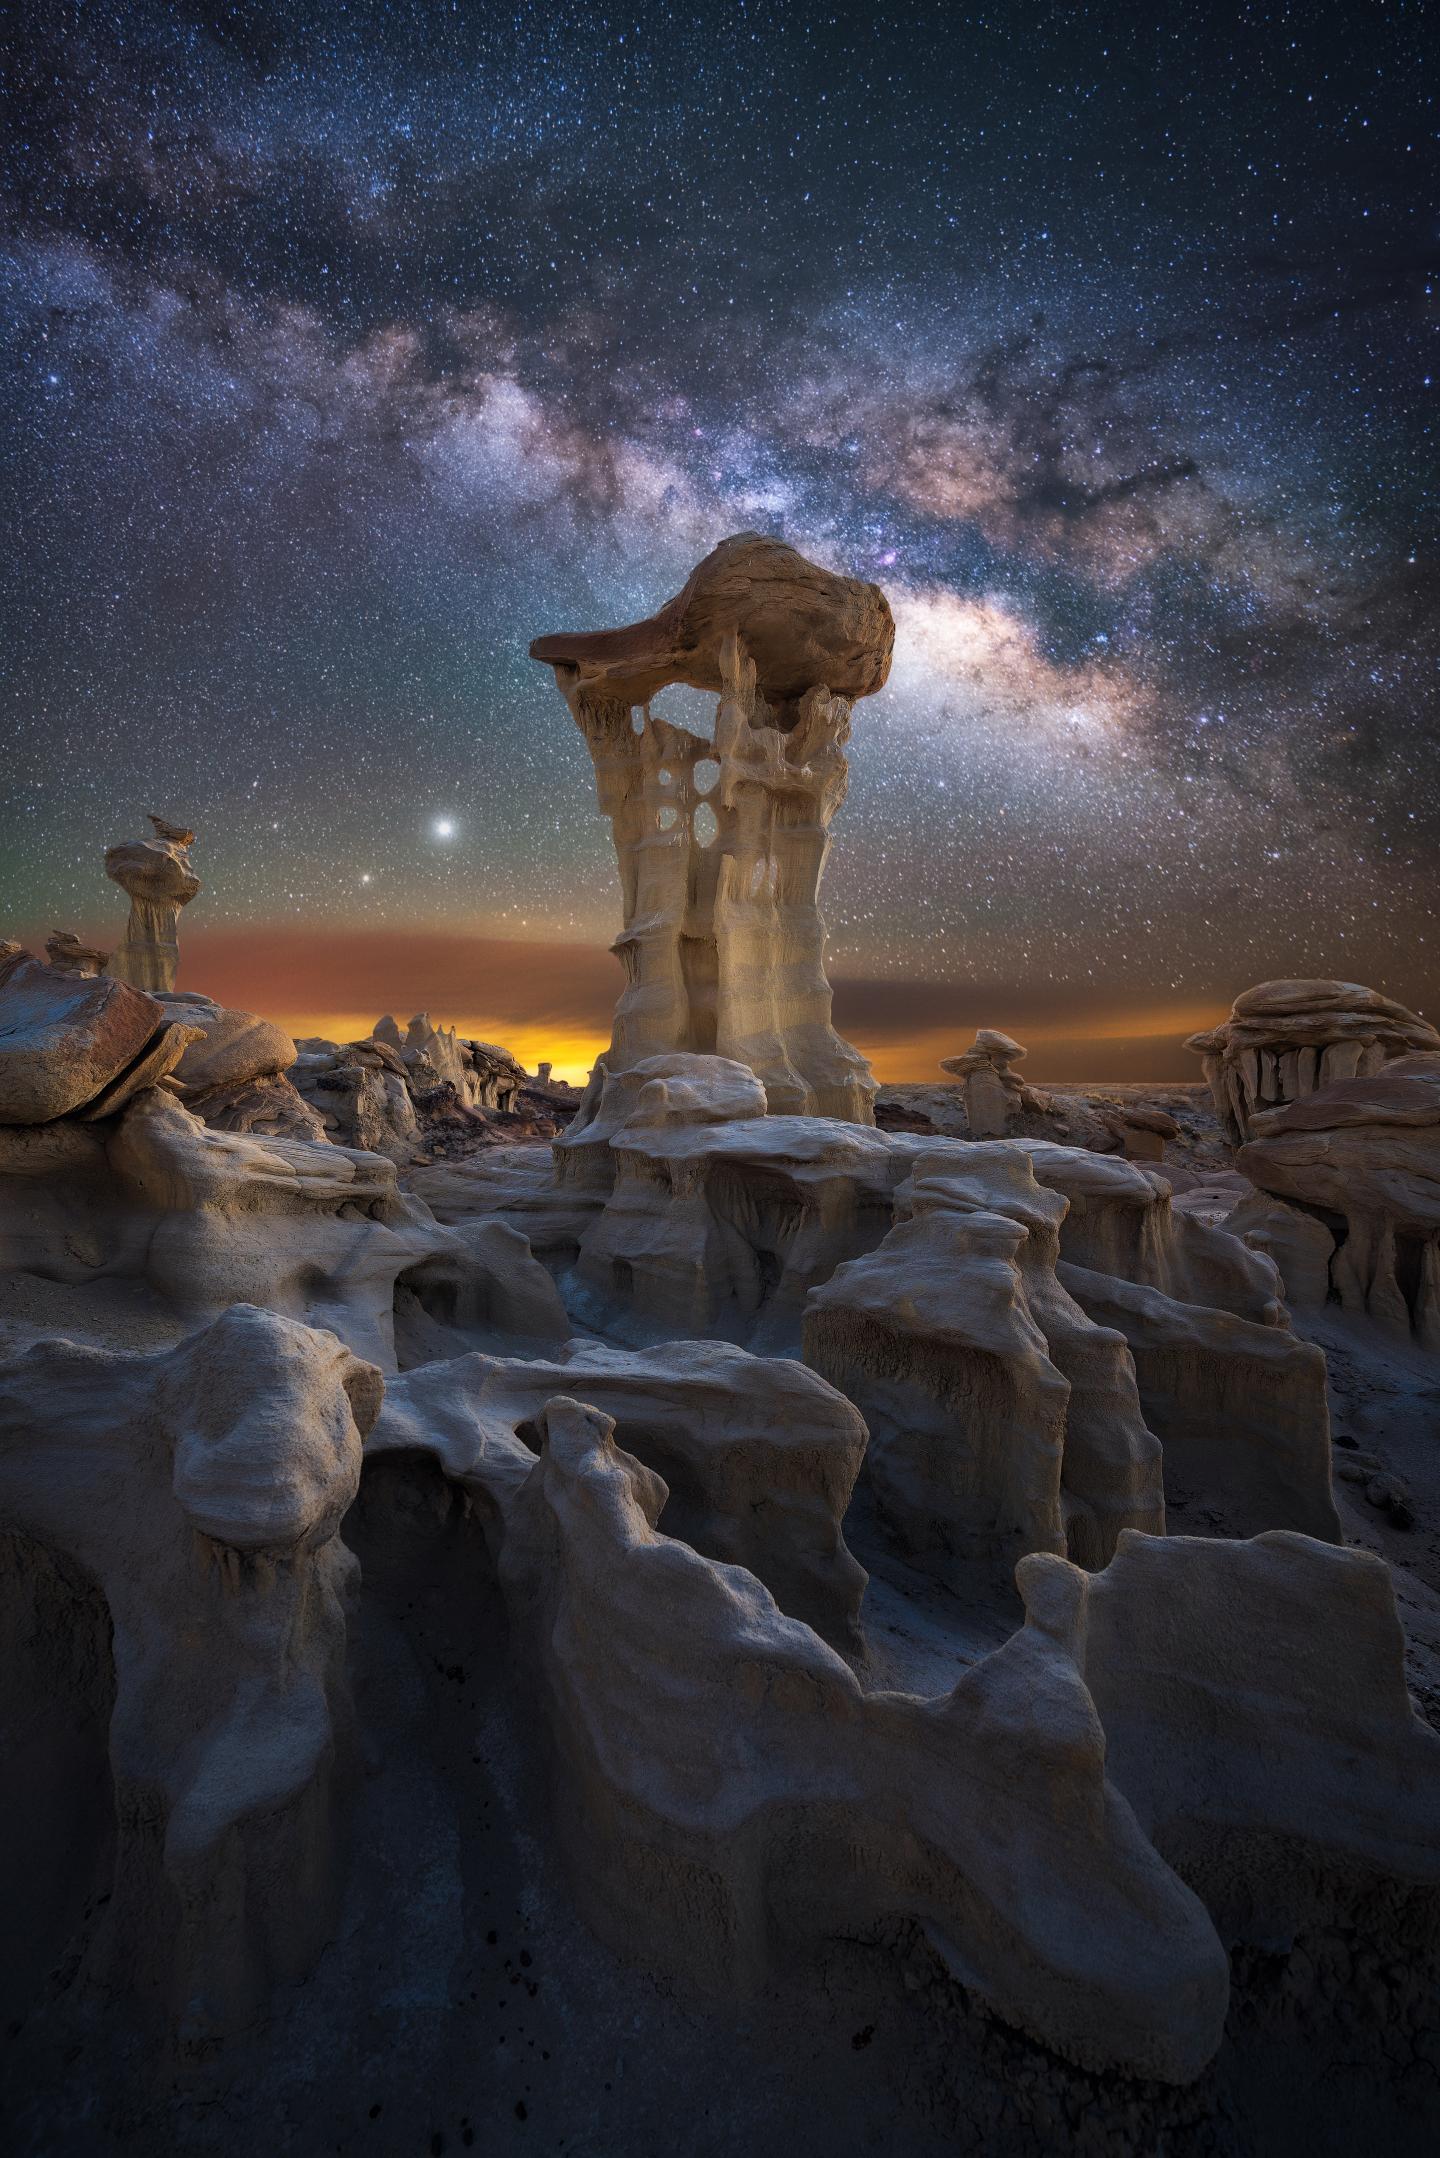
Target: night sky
{"points": [[346, 349]]}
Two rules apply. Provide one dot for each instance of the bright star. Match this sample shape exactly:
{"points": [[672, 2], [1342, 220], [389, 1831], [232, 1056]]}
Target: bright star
{"points": [[443, 828]]}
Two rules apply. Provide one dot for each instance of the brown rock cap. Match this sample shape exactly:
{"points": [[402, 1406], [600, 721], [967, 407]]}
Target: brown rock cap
{"points": [[801, 625]]}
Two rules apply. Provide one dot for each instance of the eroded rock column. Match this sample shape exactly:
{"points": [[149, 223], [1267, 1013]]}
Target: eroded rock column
{"points": [[721, 843], [160, 881]]}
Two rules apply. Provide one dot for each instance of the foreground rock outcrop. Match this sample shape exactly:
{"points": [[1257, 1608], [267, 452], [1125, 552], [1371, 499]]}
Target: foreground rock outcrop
{"points": [[199, 1494], [778, 1801], [759, 1455]]}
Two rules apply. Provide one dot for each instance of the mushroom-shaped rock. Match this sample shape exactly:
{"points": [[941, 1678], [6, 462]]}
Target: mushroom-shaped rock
{"points": [[992, 1090], [1142, 1131], [800, 624], [1367, 1149], [160, 881], [721, 843], [1286, 1039]]}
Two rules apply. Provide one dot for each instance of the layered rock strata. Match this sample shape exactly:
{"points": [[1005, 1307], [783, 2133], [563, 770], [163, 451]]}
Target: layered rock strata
{"points": [[1285, 1040]]}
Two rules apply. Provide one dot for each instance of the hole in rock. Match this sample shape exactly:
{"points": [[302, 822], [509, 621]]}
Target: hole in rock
{"points": [[667, 777], [705, 774], [678, 705], [668, 818], [705, 826]]}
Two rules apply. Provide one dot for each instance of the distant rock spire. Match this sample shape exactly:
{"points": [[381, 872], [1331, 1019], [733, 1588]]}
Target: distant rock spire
{"points": [[160, 881]]}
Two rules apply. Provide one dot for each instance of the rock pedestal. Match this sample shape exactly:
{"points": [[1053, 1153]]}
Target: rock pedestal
{"points": [[722, 843], [1286, 1040], [993, 1092], [157, 875]]}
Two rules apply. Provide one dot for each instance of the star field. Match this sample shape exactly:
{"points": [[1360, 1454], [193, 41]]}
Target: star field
{"points": [[347, 348]]}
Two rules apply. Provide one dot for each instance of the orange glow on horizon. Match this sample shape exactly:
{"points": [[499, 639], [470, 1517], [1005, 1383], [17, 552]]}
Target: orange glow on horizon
{"points": [[570, 1055], [550, 1001]]}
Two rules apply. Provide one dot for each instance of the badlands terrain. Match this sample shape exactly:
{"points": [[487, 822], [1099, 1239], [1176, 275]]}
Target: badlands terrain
{"points": [[733, 1609]]}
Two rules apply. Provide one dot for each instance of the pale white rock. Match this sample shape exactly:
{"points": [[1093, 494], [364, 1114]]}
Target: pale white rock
{"points": [[760, 1455], [750, 1800], [725, 1228], [201, 1490], [721, 842]]}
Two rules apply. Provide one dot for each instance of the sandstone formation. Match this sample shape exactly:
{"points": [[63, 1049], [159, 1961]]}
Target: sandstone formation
{"points": [[76, 1044], [483, 1076], [157, 875], [197, 1219], [721, 843], [993, 1091], [1002, 1420], [68, 955], [1299, 1244], [234, 1074], [855, 1570], [759, 1456], [1236, 1401], [360, 1092], [782, 1802], [413, 1094], [1285, 1040], [1256, 1719], [1364, 1153], [800, 625], [198, 1494], [695, 1213]]}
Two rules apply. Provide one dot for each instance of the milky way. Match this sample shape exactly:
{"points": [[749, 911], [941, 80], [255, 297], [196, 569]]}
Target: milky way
{"points": [[345, 350]]}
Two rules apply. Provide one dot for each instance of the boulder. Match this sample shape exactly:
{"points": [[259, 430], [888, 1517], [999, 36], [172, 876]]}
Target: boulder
{"points": [[65, 1037], [234, 1046]]}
